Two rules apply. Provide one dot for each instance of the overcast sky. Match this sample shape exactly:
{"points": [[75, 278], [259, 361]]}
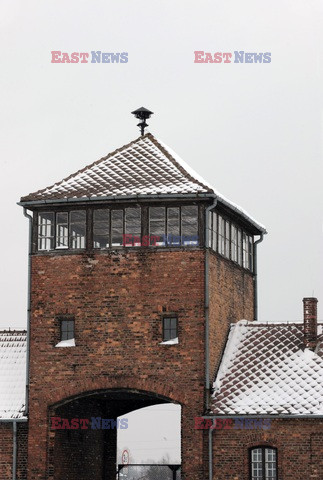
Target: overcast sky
{"points": [[254, 131]]}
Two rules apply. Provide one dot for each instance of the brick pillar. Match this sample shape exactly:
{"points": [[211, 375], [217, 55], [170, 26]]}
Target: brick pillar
{"points": [[310, 322], [110, 454]]}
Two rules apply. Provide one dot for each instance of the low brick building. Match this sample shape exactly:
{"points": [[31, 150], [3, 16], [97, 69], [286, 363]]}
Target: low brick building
{"points": [[267, 406], [138, 269], [13, 421]]}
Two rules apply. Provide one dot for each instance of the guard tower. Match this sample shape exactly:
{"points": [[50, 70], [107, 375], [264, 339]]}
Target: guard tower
{"points": [[137, 268]]}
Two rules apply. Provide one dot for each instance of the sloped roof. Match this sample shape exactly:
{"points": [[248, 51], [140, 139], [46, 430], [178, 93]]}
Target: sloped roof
{"points": [[12, 374], [266, 370], [144, 167]]}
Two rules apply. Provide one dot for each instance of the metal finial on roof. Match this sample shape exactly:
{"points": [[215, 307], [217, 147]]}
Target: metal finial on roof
{"points": [[142, 113]]}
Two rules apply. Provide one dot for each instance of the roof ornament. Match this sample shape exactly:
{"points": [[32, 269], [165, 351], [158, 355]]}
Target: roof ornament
{"points": [[142, 113]]}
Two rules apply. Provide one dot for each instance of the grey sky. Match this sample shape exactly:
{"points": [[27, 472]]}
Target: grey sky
{"points": [[254, 131]]}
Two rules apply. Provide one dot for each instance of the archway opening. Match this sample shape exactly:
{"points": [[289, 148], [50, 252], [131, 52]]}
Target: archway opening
{"points": [[84, 429]]}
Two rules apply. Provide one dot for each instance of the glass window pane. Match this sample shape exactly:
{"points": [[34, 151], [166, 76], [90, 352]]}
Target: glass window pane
{"points": [[62, 230], [209, 232], [67, 329], [214, 231], [169, 328], [227, 239], [189, 218], [173, 233], [117, 228], [77, 228], [234, 244], [221, 235], [132, 227], [157, 226], [101, 228], [239, 247], [46, 231]]}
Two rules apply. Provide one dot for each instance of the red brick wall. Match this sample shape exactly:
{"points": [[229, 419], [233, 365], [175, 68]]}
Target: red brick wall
{"points": [[231, 300], [6, 450], [6, 438], [118, 300], [299, 444]]}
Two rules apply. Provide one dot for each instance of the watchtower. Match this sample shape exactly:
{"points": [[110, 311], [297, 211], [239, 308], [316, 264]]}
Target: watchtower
{"points": [[137, 268]]}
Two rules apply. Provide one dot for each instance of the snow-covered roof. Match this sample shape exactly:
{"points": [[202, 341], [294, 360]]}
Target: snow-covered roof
{"points": [[266, 370], [144, 167], [12, 374]]}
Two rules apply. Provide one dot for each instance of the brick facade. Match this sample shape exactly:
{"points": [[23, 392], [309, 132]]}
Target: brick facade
{"points": [[6, 450], [299, 444], [118, 299]]}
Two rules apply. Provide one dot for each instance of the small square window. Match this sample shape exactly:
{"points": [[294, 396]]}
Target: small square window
{"points": [[67, 329], [170, 330]]}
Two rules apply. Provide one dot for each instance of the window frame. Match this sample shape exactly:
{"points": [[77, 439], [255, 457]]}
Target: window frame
{"points": [[177, 222], [263, 449], [169, 317], [66, 318]]}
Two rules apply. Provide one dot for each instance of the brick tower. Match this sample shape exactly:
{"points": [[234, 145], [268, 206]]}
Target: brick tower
{"points": [[137, 268]]}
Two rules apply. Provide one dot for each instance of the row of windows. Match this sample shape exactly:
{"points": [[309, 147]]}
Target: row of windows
{"points": [[230, 241], [167, 226], [170, 328]]}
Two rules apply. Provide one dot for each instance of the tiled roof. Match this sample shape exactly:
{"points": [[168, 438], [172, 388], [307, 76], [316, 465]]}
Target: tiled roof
{"points": [[266, 370], [145, 166], [12, 374]]}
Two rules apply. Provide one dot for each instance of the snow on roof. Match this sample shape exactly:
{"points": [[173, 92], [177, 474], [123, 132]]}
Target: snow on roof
{"points": [[145, 166], [12, 374], [266, 370]]}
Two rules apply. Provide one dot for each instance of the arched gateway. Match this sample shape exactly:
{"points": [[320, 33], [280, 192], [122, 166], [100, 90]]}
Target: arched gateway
{"points": [[83, 431], [137, 269]]}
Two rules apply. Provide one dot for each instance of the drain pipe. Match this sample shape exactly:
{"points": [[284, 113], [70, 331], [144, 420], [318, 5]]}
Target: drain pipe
{"points": [[255, 272], [30, 218], [207, 307], [14, 450]]}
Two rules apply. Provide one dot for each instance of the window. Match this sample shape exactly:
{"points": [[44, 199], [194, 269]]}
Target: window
{"points": [[221, 235], [169, 328], [189, 225], [101, 228], [239, 247], [263, 463], [227, 239], [214, 231], [67, 328], [132, 227], [157, 228], [247, 251], [61, 230], [117, 228], [173, 226], [234, 243], [77, 229], [46, 231]]}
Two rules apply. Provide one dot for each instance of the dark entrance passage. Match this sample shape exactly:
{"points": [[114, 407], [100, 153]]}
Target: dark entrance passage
{"points": [[83, 433]]}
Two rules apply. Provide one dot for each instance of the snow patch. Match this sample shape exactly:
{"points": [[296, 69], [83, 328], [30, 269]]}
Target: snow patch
{"points": [[66, 343], [173, 341]]}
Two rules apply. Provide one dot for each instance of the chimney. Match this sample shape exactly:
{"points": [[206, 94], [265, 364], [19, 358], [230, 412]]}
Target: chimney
{"points": [[310, 322]]}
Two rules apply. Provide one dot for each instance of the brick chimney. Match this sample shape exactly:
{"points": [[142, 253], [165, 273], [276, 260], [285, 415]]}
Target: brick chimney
{"points": [[310, 322]]}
